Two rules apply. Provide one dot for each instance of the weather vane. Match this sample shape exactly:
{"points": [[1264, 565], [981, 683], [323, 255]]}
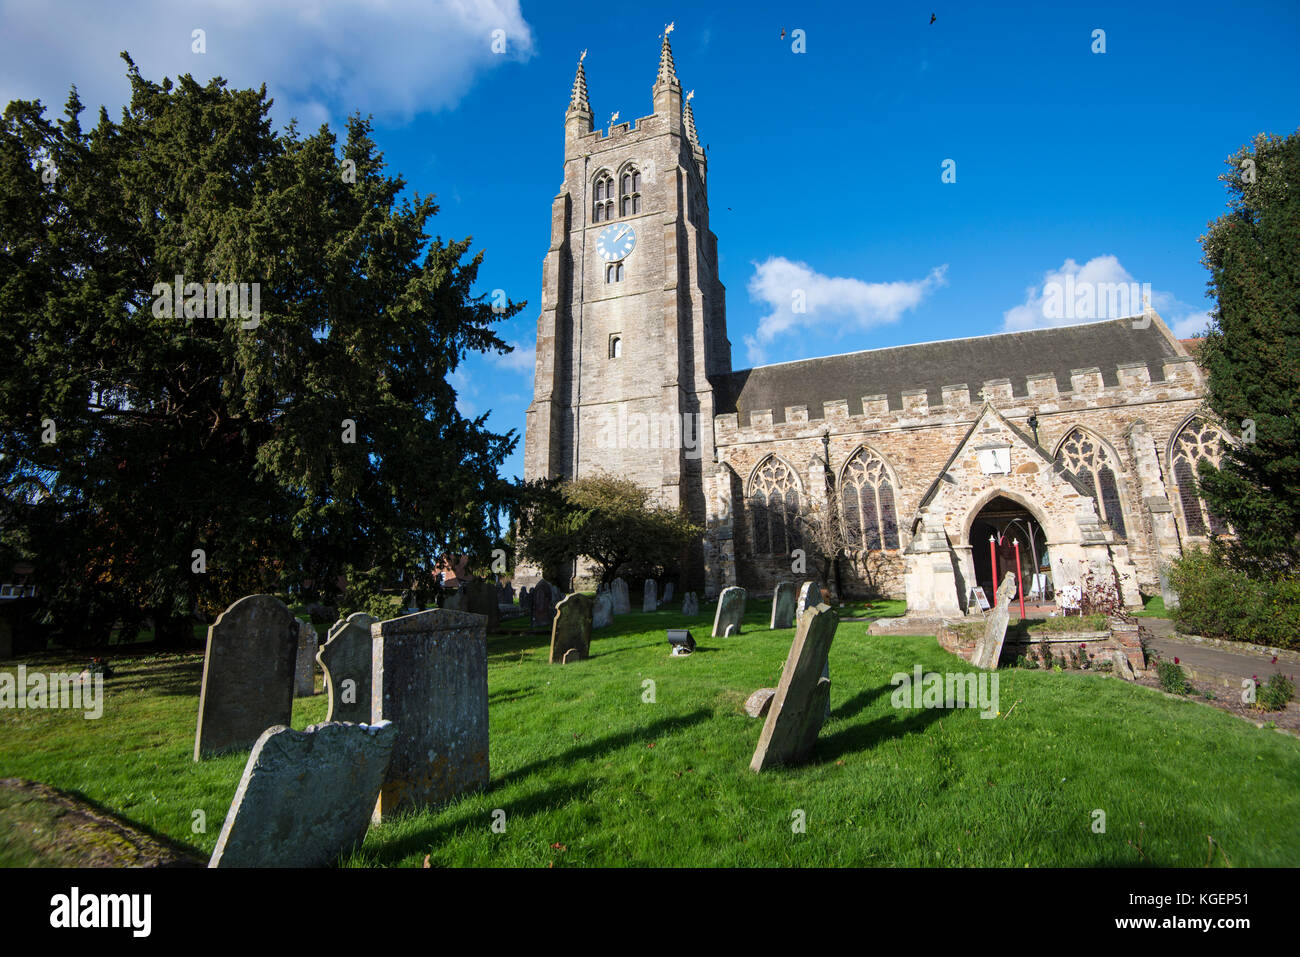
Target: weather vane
{"points": [[689, 95], [582, 56], [669, 29]]}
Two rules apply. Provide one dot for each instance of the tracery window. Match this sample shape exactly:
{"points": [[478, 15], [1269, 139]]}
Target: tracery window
{"points": [[1197, 440], [773, 502], [867, 502], [603, 205], [1096, 467]]}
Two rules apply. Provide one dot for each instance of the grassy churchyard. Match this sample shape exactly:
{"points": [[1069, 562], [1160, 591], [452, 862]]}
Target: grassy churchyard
{"points": [[636, 758]]}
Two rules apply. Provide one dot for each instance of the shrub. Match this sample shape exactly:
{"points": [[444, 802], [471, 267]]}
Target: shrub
{"points": [[1274, 695], [1222, 602], [1172, 677]]}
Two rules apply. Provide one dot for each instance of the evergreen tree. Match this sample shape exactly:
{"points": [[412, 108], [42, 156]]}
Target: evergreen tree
{"points": [[1252, 355], [161, 455]]}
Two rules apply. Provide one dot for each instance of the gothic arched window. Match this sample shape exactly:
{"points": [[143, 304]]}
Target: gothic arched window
{"points": [[630, 192], [1096, 467], [867, 503], [603, 205], [774, 508], [1197, 440], [615, 346]]}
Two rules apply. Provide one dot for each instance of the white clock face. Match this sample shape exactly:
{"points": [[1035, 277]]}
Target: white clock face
{"points": [[616, 241]]}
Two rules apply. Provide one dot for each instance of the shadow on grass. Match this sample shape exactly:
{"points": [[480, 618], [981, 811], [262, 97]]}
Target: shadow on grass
{"points": [[606, 744], [864, 737], [859, 701], [426, 839]]}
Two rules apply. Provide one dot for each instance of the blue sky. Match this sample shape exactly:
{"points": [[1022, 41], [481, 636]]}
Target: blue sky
{"points": [[824, 166]]}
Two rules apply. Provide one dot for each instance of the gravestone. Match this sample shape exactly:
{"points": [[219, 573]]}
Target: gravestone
{"points": [[481, 599], [429, 677], [506, 594], [345, 658], [622, 603], [798, 708], [305, 796], [731, 609], [542, 603], [650, 602], [810, 596], [602, 611], [304, 669], [783, 602], [668, 593], [989, 647], [248, 672], [523, 598], [455, 601], [1123, 667], [760, 702], [690, 605], [571, 630]]}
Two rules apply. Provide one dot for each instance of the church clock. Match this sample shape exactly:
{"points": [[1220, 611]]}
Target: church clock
{"points": [[615, 242]]}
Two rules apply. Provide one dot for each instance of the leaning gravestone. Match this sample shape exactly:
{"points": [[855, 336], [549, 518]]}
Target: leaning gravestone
{"points": [[783, 602], [799, 706], [989, 647], [668, 593], [304, 669], [651, 600], [429, 677], [622, 602], [248, 672], [543, 603], [345, 658], [306, 796], [571, 630], [602, 611], [481, 599], [731, 609]]}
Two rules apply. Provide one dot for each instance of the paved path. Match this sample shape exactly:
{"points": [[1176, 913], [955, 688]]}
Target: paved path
{"points": [[1210, 662]]}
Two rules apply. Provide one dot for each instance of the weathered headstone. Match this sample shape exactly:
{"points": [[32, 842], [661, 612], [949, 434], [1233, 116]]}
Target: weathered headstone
{"points": [[571, 656], [602, 611], [304, 669], [798, 708], [810, 596], [346, 658], [542, 603], [1124, 667], [668, 593], [306, 796], [571, 630], [523, 598], [783, 602], [455, 601], [989, 647], [690, 605], [650, 602], [760, 702], [731, 609], [506, 594], [429, 677], [481, 599], [248, 672], [622, 601]]}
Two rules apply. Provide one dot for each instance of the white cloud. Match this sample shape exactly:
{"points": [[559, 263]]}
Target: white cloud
{"points": [[799, 297], [320, 60], [1099, 289], [523, 360]]}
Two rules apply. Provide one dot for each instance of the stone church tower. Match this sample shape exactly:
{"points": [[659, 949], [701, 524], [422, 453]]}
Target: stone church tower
{"points": [[633, 319]]}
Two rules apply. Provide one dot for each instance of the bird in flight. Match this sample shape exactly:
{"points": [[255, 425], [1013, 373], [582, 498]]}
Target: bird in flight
{"points": [[932, 18], [783, 33]]}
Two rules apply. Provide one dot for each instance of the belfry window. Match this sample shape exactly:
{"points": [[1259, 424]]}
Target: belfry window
{"points": [[615, 346], [630, 192], [603, 205], [614, 272]]}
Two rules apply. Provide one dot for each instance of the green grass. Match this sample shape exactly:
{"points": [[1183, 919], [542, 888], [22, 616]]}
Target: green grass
{"points": [[579, 759], [1153, 607]]}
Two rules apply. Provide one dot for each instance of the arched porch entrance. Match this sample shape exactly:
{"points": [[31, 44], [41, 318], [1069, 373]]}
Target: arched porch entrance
{"points": [[995, 531]]}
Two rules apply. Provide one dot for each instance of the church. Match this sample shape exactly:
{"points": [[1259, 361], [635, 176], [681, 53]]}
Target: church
{"points": [[1071, 450]]}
